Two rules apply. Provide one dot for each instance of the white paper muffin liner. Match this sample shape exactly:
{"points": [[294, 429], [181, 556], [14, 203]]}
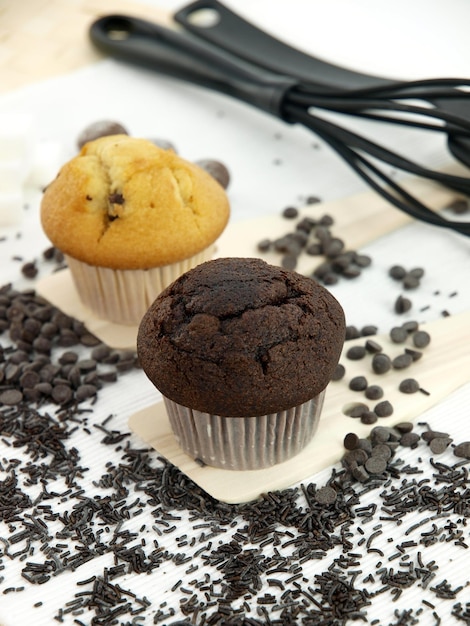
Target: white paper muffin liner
{"points": [[123, 296], [244, 443]]}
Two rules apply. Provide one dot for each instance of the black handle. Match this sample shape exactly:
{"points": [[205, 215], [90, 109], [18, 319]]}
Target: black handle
{"points": [[181, 56], [228, 31]]}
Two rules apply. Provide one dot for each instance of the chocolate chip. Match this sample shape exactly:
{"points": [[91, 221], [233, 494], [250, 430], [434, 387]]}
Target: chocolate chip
{"points": [[383, 450], [380, 434], [116, 198], [30, 378], [402, 361], [374, 392], [462, 450], [264, 245], [68, 357], [164, 144], [404, 427], [326, 495], [373, 347], [100, 352], [352, 333], [351, 272], [411, 282], [397, 272], [356, 410], [11, 397], [74, 376], [438, 445], [355, 353], [358, 383], [85, 391], [398, 334], [350, 441], [368, 330], [312, 200], [381, 363], [289, 261], [61, 393], [421, 339], [86, 365], [339, 372], [409, 440], [314, 249], [362, 260], [368, 417], [333, 247], [216, 169], [383, 409], [376, 465], [365, 444], [429, 435], [410, 326], [101, 128], [44, 387], [42, 345], [409, 385], [402, 305], [415, 354], [360, 474], [290, 212], [416, 272], [356, 456], [29, 270]]}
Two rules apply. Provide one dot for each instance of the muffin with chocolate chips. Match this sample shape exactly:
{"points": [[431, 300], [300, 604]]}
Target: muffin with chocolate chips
{"points": [[242, 353], [130, 218]]}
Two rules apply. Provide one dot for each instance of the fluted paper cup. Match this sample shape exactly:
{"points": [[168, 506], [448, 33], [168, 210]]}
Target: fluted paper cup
{"points": [[244, 443], [123, 296]]}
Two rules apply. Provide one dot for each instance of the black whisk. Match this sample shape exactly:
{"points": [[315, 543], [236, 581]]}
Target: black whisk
{"points": [[300, 89]]}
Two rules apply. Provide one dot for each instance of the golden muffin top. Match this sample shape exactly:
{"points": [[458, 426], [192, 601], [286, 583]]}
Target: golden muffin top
{"points": [[125, 203]]}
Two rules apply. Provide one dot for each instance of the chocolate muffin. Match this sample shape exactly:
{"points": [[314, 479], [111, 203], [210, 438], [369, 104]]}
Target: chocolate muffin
{"points": [[242, 352]]}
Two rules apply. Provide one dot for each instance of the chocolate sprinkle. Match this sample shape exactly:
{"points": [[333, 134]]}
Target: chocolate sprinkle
{"points": [[241, 565]]}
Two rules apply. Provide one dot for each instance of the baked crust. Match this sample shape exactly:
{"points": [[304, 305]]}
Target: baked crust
{"points": [[125, 203], [238, 338]]}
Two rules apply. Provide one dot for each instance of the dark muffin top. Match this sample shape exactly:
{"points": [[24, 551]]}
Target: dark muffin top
{"points": [[238, 337]]}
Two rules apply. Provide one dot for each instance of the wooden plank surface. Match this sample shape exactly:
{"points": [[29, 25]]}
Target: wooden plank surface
{"points": [[40, 39], [442, 369]]}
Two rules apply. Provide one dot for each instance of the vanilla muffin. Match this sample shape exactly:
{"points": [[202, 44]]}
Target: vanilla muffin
{"points": [[131, 217], [242, 352]]}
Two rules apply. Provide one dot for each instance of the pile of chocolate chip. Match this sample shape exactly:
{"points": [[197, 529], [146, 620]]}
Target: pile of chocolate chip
{"points": [[314, 237], [369, 457]]}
